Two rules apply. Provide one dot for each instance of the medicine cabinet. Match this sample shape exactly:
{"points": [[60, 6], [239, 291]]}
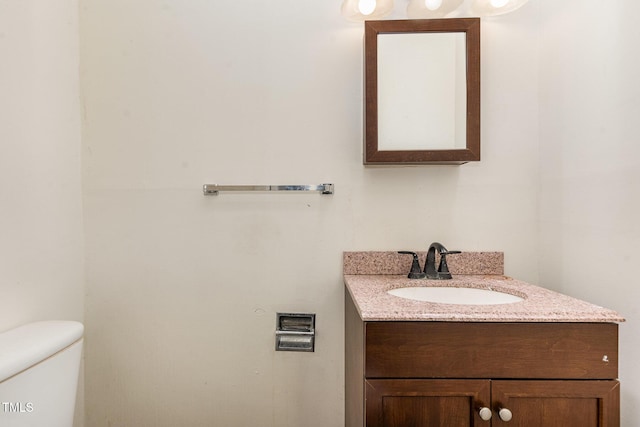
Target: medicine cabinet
{"points": [[422, 91]]}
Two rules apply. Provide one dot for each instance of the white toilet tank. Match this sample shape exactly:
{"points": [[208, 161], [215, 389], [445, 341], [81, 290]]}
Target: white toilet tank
{"points": [[39, 365]]}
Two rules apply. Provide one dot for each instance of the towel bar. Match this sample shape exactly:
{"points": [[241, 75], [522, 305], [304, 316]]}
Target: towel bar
{"points": [[214, 189]]}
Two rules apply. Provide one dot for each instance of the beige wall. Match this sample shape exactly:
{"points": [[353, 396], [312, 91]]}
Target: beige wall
{"points": [[590, 164], [41, 261], [182, 290]]}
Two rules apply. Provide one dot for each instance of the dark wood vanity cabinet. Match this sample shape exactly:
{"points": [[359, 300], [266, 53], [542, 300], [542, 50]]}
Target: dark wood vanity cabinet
{"points": [[442, 374], [457, 403]]}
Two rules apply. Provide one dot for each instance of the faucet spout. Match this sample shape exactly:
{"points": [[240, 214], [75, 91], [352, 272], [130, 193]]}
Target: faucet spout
{"points": [[442, 273]]}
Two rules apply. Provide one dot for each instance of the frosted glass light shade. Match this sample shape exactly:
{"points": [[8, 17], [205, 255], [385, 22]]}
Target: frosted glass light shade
{"points": [[361, 10], [495, 7], [432, 8]]}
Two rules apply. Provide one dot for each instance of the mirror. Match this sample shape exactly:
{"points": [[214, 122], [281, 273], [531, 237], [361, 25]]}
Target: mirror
{"points": [[422, 91]]}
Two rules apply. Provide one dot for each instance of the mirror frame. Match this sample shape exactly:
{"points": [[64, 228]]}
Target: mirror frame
{"points": [[471, 28]]}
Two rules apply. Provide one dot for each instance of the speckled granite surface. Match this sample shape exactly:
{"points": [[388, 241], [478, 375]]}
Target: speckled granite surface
{"points": [[369, 293]]}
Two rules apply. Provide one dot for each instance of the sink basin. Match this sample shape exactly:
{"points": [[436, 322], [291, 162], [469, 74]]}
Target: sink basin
{"points": [[452, 295]]}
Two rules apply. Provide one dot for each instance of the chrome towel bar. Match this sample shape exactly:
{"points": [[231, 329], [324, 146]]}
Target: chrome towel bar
{"points": [[214, 189]]}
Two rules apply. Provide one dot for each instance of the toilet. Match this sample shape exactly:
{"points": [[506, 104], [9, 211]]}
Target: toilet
{"points": [[39, 366]]}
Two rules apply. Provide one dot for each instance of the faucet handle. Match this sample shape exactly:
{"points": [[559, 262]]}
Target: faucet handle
{"points": [[443, 268], [416, 272], [450, 252]]}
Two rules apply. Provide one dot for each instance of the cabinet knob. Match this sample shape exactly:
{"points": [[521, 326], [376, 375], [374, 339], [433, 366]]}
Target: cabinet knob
{"points": [[505, 414], [485, 413]]}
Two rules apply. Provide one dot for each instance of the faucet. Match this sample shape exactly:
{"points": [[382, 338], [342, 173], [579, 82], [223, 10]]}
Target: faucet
{"points": [[442, 273]]}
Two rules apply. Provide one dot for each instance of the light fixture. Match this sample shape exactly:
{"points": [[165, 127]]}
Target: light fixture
{"points": [[432, 8], [360, 10], [495, 7], [363, 10]]}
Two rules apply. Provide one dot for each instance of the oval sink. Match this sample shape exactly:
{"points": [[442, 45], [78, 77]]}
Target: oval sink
{"points": [[451, 295]]}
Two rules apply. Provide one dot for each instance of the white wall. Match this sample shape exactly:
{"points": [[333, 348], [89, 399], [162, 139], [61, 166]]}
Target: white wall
{"points": [[41, 236], [41, 263], [182, 290], [590, 164]]}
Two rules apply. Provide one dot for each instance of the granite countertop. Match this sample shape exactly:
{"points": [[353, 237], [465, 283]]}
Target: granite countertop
{"points": [[368, 289]]}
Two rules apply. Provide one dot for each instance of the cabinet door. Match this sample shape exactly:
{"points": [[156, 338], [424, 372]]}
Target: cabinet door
{"points": [[426, 403], [557, 403]]}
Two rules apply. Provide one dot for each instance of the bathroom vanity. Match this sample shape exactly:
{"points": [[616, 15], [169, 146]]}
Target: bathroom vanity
{"points": [[549, 360]]}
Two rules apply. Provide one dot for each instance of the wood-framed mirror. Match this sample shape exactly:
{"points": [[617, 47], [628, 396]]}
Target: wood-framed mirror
{"points": [[422, 91]]}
